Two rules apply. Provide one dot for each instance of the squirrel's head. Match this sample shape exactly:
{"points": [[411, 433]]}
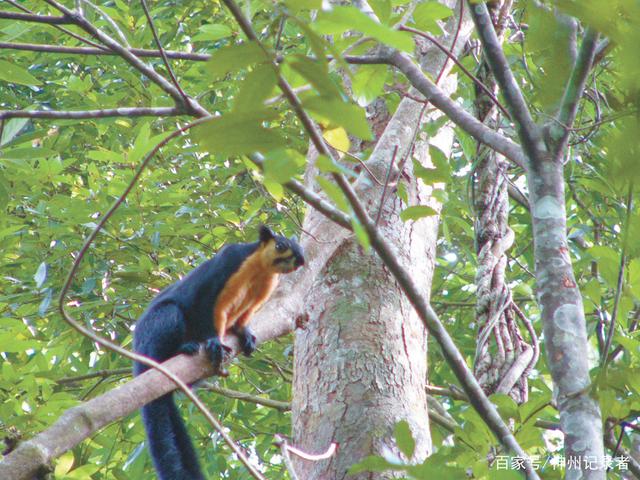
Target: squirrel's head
{"points": [[282, 254]]}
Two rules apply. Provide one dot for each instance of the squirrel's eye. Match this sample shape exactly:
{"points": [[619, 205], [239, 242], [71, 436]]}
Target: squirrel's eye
{"points": [[280, 247]]}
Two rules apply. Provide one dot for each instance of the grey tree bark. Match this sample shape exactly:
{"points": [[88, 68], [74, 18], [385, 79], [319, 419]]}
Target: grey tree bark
{"points": [[360, 360]]}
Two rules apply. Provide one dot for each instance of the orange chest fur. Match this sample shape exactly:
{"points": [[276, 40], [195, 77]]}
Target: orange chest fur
{"points": [[243, 294]]}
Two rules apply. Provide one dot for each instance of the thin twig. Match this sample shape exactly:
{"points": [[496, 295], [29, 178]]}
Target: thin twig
{"points": [[455, 112], [246, 397], [109, 20], [574, 89], [185, 98], [281, 443], [392, 162], [313, 457], [92, 375], [616, 302], [310, 197], [362, 164], [192, 107]]}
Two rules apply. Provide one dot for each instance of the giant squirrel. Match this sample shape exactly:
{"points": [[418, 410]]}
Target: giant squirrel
{"points": [[218, 296]]}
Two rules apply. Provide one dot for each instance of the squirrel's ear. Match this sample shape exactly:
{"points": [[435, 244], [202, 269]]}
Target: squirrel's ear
{"points": [[265, 234]]}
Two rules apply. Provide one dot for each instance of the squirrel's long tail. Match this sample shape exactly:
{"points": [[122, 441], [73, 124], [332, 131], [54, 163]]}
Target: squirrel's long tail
{"points": [[169, 444], [159, 333]]}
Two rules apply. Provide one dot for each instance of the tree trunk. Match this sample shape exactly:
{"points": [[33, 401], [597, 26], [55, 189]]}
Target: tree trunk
{"points": [[360, 360]]}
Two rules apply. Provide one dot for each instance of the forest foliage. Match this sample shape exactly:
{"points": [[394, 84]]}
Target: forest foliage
{"points": [[57, 177]]}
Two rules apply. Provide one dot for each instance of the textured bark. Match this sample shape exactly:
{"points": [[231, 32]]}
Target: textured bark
{"points": [[558, 295], [360, 361], [565, 330], [503, 359]]}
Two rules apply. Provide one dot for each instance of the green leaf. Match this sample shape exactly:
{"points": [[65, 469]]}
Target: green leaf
{"points": [[342, 19], [371, 464], [440, 161], [427, 14], [12, 129], [212, 32], [281, 165], [404, 438], [439, 174], [317, 43], [368, 83], [382, 9], [4, 193], [334, 193], [235, 57], [317, 74], [297, 5], [361, 234], [275, 189], [238, 133], [336, 112], [326, 165], [256, 88], [10, 72], [548, 39], [46, 301], [104, 156], [141, 143], [41, 274], [29, 153], [416, 212]]}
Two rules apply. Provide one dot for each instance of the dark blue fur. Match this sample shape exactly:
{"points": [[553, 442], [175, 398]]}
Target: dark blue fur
{"points": [[175, 321]]}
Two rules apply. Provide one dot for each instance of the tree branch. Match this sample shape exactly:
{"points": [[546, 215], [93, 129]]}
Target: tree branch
{"points": [[28, 17], [165, 60], [84, 114], [311, 198], [573, 93], [62, 29], [455, 112], [148, 53], [529, 133], [138, 52], [464, 69], [246, 397]]}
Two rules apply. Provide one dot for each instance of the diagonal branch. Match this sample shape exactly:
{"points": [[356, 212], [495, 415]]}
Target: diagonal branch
{"points": [[62, 29], [455, 112], [165, 60], [87, 332], [461, 66], [529, 133], [28, 17], [310, 197], [573, 93]]}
